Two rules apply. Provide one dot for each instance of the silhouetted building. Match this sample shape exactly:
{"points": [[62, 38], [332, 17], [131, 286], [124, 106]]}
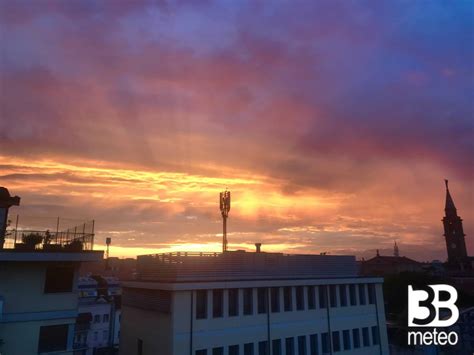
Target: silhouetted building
{"points": [[238, 302], [454, 236], [381, 265]]}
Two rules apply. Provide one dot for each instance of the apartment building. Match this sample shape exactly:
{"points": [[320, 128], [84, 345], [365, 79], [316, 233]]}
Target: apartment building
{"points": [[241, 303]]}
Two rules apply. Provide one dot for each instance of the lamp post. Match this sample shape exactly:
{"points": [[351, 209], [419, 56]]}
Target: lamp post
{"points": [[224, 203]]}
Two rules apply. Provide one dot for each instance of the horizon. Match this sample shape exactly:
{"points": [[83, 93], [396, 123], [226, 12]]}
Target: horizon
{"points": [[333, 124]]}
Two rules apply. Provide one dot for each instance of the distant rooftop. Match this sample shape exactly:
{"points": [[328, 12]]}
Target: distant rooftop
{"points": [[241, 265]]}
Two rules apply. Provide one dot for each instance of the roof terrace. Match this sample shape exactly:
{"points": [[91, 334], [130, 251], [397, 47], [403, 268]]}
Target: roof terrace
{"points": [[241, 265]]}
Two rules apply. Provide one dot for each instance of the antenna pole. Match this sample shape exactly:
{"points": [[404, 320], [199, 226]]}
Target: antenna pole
{"points": [[224, 204]]}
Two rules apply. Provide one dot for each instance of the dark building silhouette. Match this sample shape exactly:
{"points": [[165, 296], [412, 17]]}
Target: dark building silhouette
{"points": [[454, 235]]}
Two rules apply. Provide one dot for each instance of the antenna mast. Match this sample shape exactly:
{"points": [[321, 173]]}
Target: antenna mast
{"points": [[224, 204]]}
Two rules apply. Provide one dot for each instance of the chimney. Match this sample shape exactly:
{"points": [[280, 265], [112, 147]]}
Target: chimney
{"points": [[258, 245]]}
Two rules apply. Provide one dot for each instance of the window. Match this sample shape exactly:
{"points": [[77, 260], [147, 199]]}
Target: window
{"points": [[218, 351], [333, 295], [263, 348], [276, 347], [336, 343], [262, 300], [302, 345], [323, 297], [233, 302], [105, 318], [248, 301], [371, 289], [362, 294], [287, 299], [313, 344], [275, 299], [375, 335], [346, 339], [290, 346], [343, 295], [248, 349], [201, 304], [139, 347], [217, 303], [352, 294], [53, 338], [104, 335], [299, 298], [311, 298], [58, 279], [325, 342], [97, 318], [234, 350], [96, 336], [201, 352], [365, 336], [356, 338]]}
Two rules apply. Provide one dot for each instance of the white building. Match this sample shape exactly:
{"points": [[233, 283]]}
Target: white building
{"points": [[240, 303]]}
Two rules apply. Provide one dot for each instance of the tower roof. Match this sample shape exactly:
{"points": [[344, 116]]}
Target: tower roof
{"points": [[449, 207]]}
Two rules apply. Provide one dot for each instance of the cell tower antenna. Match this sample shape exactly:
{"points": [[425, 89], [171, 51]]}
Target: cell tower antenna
{"points": [[224, 204]]}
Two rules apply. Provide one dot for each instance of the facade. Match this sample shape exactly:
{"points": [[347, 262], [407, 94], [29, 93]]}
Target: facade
{"points": [[251, 303], [97, 324]]}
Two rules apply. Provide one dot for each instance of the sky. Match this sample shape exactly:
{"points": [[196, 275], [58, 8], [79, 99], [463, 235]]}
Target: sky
{"points": [[332, 123]]}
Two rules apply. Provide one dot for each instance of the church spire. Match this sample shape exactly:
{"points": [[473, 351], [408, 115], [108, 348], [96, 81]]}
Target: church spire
{"points": [[449, 208], [396, 252]]}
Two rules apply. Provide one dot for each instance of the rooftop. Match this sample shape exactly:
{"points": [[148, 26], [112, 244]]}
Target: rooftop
{"points": [[242, 265]]}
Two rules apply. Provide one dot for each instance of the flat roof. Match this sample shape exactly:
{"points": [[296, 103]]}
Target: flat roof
{"points": [[48, 256]]}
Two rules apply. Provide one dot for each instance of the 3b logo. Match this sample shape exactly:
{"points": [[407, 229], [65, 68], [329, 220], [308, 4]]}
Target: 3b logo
{"points": [[425, 306]]}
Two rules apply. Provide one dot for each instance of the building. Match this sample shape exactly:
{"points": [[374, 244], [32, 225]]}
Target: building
{"points": [[454, 236], [383, 265], [251, 303], [98, 321], [38, 288]]}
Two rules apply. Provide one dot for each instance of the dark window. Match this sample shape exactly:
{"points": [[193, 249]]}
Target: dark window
{"points": [[53, 338], [218, 351], [313, 344], [365, 336], [248, 349], [375, 335], [300, 298], [343, 295], [361, 294], [323, 297], [352, 294], [248, 301], [325, 342], [346, 339], [336, 343], [263, 348], [234, 350], [302, 345], [356, 338], [333, 295], [276, 347], [217, 303], [287, 299], [275, 299], [139, 347], [201, 352], [58, 279], [262, 299], [371, 289], [290, 346], [233, 302], [311, 298], [201, 304]]}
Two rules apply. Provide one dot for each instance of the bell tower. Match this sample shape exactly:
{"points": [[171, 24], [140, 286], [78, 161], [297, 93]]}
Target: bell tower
{"points": [[454, 234]]}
